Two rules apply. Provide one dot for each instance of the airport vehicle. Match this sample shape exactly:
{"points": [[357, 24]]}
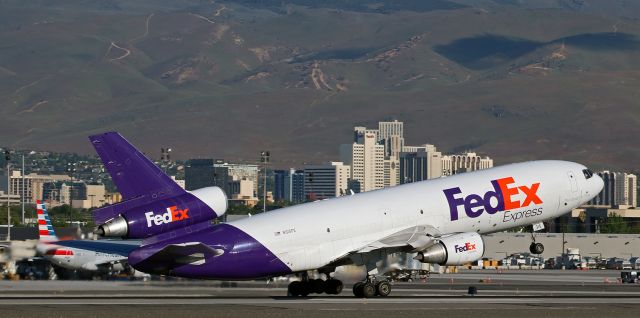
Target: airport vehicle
{"points": [[629, 277], [441, 219], [614, 263], [96, 256]]}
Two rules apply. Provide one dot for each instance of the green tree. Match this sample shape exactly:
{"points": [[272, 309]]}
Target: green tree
{"points": [[615, 224]]}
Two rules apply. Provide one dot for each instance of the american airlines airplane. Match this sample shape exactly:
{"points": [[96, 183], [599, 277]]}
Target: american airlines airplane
{"points": [[442, 220], [100, 257]]}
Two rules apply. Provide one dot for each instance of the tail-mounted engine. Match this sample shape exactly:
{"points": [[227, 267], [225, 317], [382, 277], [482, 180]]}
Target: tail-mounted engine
{"points": [[146, 220]]}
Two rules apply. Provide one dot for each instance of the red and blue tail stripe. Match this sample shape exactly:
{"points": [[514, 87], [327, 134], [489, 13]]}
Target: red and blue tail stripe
{"points": [[44, 224]]}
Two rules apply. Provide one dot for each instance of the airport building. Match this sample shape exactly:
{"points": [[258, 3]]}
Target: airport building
{"points": [[289, 185], [326, 181], [597, 219]]}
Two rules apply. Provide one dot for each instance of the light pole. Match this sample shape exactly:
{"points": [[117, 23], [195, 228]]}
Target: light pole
{"points": [[264, 158], [22, 196], [7, 157], [71, 168]]}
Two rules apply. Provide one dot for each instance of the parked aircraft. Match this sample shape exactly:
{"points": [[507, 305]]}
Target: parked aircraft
{"points": [[95, 256]]}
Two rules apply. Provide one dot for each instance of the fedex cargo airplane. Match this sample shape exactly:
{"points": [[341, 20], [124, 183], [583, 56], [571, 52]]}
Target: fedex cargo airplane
{"points": [[99, 257], [442, 220]]}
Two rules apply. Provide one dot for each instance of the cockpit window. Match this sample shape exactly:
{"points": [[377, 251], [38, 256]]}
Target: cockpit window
{"points": [[587, 173]]}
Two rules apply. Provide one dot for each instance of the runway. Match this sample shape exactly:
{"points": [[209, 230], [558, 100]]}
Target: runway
{"points": [[525, 293]]}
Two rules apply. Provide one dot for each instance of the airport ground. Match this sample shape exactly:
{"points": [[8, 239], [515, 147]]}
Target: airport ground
{"points": [[521, 294]]}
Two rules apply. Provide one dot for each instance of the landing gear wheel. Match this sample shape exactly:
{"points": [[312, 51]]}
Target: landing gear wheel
{"points": [[536, 248], [333, 287], [317, 286], [294, 289], [383, 289], [305, 288], [357, 290], [368, 290]]}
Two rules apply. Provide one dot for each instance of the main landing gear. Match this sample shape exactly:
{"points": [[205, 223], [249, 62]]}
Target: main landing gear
{"points": [[318, 286], [371, 288]]}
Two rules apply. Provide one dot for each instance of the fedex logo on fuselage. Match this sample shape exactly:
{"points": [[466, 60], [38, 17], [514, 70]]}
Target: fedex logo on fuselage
{"points": [[465, 248], [172, 215], [503, 192]]}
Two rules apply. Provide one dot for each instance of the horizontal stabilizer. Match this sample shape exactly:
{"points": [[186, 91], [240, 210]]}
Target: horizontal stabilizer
{"points": [[122, 248]]}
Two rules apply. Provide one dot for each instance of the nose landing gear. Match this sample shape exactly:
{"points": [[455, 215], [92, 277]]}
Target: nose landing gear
{"points": [[535, 248]]}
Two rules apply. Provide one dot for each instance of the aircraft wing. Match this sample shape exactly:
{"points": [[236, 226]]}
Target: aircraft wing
{"points": [[413, 238]]}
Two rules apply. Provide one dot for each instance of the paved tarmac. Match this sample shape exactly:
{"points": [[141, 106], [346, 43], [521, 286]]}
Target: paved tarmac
{"points": [[521, 293]]}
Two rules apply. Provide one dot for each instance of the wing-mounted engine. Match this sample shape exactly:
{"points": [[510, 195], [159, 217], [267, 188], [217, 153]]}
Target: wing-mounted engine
{"points": [[161, 216], [456, 249]]}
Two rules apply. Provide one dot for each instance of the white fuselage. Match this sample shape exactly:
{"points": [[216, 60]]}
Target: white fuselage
{"points": [[80, 259], [313, 235]]}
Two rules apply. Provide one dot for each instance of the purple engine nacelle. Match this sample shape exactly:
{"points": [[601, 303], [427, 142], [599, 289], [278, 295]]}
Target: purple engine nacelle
{"points": [[167, 214]]}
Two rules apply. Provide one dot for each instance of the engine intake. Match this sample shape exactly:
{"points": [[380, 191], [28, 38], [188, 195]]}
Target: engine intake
{"points": [[457, 249]]}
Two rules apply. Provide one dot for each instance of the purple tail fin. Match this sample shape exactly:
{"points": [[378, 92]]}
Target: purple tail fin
{"points": [[133, 174]]}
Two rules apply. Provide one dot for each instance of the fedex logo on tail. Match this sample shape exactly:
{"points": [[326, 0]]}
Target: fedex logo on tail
{"points": [[503, 191], [465, 248], [172, 215]]}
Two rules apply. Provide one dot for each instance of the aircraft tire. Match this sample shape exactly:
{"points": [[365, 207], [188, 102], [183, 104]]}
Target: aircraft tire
{"points": [[333, 287], [294, 289], [317, 285], [383, 289], [536, 248], [358, 290], [368, 290]]}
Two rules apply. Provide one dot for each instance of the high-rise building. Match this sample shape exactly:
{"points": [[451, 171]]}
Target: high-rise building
{"points": [[422, 164], [366, 160], [199, 173], [289, 185], [391, 172], [619, 189], [606, 196], [326, 181], [470, 161], [632, 189], [391, 136]]}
